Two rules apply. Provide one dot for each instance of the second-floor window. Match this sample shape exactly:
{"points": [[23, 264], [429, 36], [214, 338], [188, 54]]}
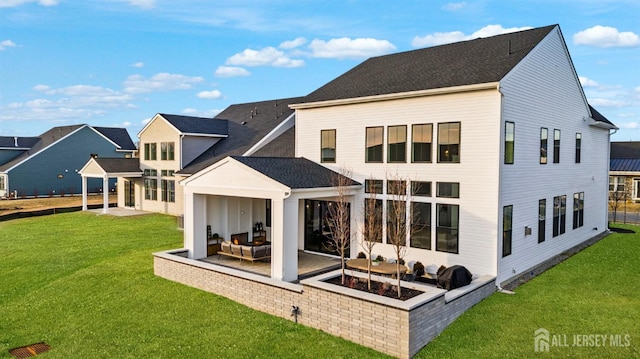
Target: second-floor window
{"points": [[578, 146], [556, 146], [397, 143], [449, 142], [150, 151], [328, 146], [544, 139], [373, 143], [167, 151], [421, 136], [509, 142]]}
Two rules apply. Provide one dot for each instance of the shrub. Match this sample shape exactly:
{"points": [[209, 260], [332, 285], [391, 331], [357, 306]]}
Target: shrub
{"points": [[380, 258], [361, 255], [418, 269]]}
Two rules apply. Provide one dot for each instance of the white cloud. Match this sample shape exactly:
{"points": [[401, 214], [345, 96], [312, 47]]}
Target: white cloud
{"points": [[160, 82], [6, 43], [145, 121], [41, 88], [587, 82], [454, 6], [606, 36], [201, 113], [440, 38], [211, 95], [14, 3], [629, 125], [350, 48], [293, 43], [138, 64], [143, 4], [269, 56], [605, 102], [231, 71]]}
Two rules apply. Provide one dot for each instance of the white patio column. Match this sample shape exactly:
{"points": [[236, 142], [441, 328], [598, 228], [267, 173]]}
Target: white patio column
{"points": [[195, 226], [284, 243], [84, 193], [105, 194]]}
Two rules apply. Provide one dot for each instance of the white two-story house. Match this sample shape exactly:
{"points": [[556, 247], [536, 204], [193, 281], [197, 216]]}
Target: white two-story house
{"points": [[503, 157]]}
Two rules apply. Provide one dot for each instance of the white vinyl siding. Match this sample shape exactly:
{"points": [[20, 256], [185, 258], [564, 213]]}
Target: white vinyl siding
{"points": [[544, 92]]}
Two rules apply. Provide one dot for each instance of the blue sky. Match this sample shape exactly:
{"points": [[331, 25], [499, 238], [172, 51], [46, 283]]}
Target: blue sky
{"points": [[119, 62]]}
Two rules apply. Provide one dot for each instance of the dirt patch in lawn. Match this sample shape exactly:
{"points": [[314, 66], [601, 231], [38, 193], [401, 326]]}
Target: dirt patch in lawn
{"points": [[8, 206]]}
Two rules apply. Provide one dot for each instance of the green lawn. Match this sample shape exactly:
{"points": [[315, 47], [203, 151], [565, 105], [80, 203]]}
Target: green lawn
{"points": [[84, 284]]}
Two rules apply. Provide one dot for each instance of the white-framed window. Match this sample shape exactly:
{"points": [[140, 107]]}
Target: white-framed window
{"points": [[616, 183], [636, 188]]}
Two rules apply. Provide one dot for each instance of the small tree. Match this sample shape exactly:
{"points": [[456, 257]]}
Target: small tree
{"points": [[371, 229], [339, 217], [397, 226], [617, 197]]}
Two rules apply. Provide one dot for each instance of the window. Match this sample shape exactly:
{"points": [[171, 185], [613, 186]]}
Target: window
{"points": [[151, 189], [2, 183], [421, 143], [616, 184], [167, 173], [507, 226], [448, 189], [509, 142], [328, 146], [578, 210], [150, 152], [373, 186], [396, 187], [449, 142], [559, 215], [167, 151], [542, 219], [397, 144], [422, 189], [447, 228], [373, 220], [267, 219], [374, 144], [150, 172], [396, 221], [544, 136], [578, 146], [168, 190], [421, 225], [556, 146]]}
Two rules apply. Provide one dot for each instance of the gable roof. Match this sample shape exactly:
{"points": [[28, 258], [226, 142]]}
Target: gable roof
{"points": [[248, 123], [119, 136], [197, 125], [478, 61], [624, 165], [625, 150], [119, 165], [293, 172]]}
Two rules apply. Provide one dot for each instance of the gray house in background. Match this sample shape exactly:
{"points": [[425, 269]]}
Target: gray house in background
{"points": [[47, 165]]}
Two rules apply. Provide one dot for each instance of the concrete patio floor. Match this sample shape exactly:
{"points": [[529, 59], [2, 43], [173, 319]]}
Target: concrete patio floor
{"points": [[309, 264]]}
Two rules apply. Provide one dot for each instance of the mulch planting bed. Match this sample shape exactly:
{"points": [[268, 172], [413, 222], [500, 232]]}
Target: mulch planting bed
{"points": [[379, 288]]}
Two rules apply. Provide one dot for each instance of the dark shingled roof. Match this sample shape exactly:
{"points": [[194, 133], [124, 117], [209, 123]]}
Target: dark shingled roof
{"points": [[119, 136], [281, 146], [23, 142], [470, 62], [199, 125], [625, 150], [598, 116], [115, 165], [248, 124], [295, 173], [624, 164]]}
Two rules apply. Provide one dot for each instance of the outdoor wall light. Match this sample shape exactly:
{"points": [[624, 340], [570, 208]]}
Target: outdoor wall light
{"points": [[527, 230]]}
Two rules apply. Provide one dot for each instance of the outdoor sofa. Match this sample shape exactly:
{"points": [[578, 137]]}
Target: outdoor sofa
{"points": [[240, 247]]}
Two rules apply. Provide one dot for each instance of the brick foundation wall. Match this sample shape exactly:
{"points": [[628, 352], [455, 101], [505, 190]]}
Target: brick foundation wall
{"points": [[400, 330]]}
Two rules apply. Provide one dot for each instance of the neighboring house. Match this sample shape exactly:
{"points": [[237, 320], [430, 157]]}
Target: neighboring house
{"points": [[496, 133], [48, 164], [624, 170], [173, 147]]}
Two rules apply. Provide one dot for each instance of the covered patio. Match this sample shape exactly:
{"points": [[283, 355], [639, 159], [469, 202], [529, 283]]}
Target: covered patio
{"points": [[309, 264], [107, 168], [234, 195]]}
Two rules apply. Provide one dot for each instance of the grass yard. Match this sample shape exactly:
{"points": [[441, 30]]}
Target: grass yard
{"points": [[84, 284]]}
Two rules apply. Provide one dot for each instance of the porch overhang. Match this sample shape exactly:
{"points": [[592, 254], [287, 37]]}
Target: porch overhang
{"points": [[106, 168]]}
